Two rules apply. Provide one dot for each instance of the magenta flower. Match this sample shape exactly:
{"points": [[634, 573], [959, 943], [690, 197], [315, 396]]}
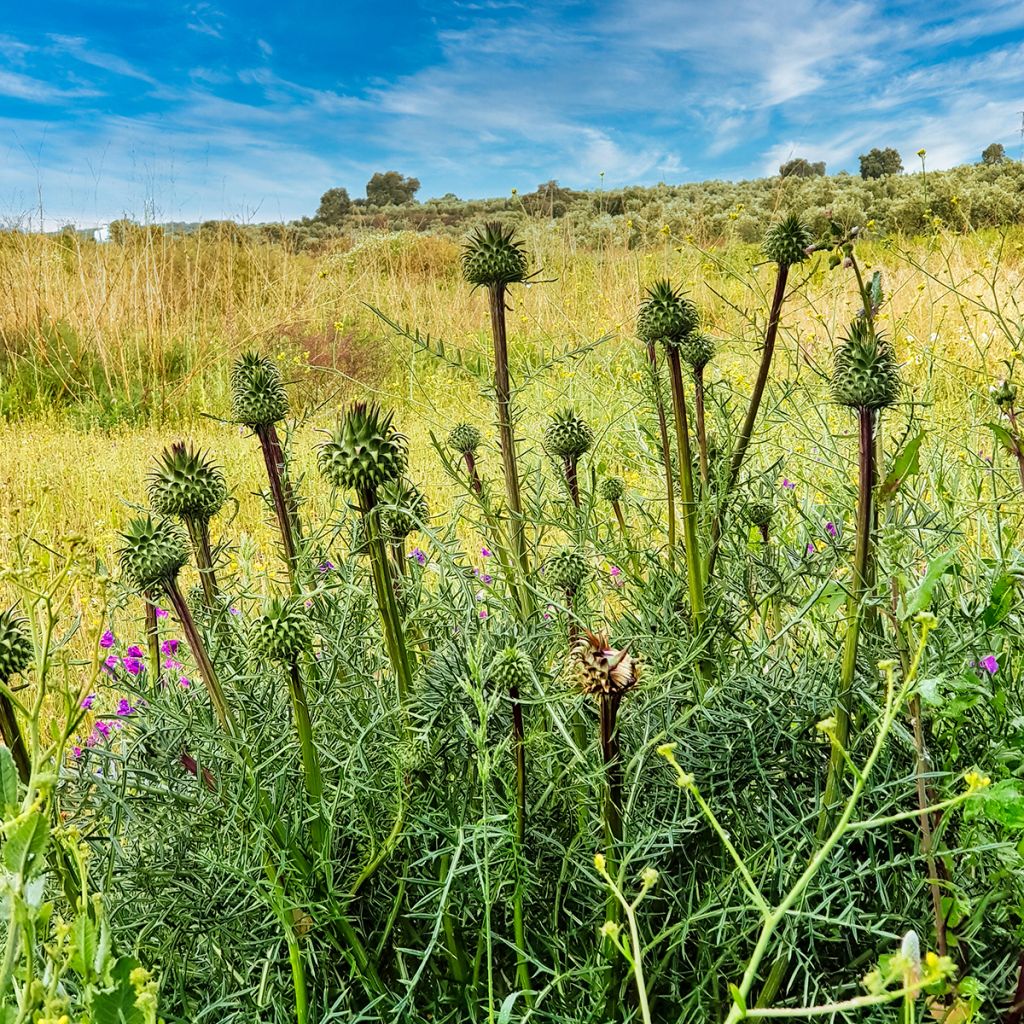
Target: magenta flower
{"points": [[76, 751], [184, 682], [124, 707], [485, 552], [111, 662], [483, 613], [418, 555], [134, 652], [810, 549], [989, 664], [133, 666], [161, 613], [87, 702], [234, 611], [788, 485], [326, 566], [107, 640], [831, 529], [308, 603], [102, 728], [171, 663], [169, 647], [485, 578]]}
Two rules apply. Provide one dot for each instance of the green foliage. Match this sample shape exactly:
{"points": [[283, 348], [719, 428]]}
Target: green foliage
{"points": [[799, 167], [334, 205], [389, 188], [879, 163], [995, 153]]}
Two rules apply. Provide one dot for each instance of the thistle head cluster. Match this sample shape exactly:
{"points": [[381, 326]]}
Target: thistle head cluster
{"points": [[759, 513], [153, 552], [15, 646], [567, 570], [492, 255], [865, 374], [258, 397], [185, 482], [696, 350], [464, 439], [283, 632], [603, 669], [406, 509], [666, 316], [786, 242], [612, 488], [1003, 394], [365, 452], [568, 436], [511, 668]]}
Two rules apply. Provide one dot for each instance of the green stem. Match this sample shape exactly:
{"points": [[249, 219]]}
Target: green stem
{"points": [[702, 437], [199, 532], [152, 639], [519, 749], [666, 451], [281, 494], [310, 762], [14, 739], [474, 476], [750, 420], [862, 555]]}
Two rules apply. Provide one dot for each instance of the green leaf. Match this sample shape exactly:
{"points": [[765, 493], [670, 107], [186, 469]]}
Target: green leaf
{"points": [[83, 946], [8, 779], [505, 1013], [737, 998], [26, 845], [1004, 437], [906, 465], [921, 596], [1004, 803], [929, 691], [117, 1005]]}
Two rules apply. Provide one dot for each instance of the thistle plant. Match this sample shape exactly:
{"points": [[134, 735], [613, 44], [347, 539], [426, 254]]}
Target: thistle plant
{"points": [[465, 439], [493, 258], [260, 402], [567, 570], [187, 485], [1004, 395], [759, 513], [787, 243], [404, 509], [512, 672], [612, 489], [366, 454], [668, 317], [283, 634], [15, 657], [567, 438], [865, 379], [697, 350]]}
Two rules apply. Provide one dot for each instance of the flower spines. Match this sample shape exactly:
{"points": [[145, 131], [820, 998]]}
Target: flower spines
{"points": [[185, 482], [153, 553], [283, 632], [568, 436], [567, 570], [510, 669], [865, 374], [365, 451], [602, 669], [697, 350], [464, 439], [666, 316], [492, 255], [258, 396], [786, 242], [15, 646], [405, 509], [612, 488]]}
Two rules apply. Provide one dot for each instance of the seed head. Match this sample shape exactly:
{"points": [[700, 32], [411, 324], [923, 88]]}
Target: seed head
{"points": [[492, 255], [566, 570], [568, 436], [612, 488], [865, 374], [602, 668], [283, 632], [464, 439], [365, 451], [786, 242], [15, 646], [258, 397], [666, 316], [153, 553], [186, 482]]}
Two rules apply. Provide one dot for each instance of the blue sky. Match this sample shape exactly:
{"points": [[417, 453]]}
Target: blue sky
{"points": [[186, 111]]}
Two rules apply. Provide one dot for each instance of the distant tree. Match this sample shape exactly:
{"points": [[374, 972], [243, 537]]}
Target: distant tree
{"points": [[334, 204], [550, 199], [798, 167], [123, 230], [994, 154], [391, 189], [880, 162]]}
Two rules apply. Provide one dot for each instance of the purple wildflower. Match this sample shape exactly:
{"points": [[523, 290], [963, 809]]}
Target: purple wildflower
{"points": [[483, 613], [161, 613], [172, 663], [989, 664], [102, 728], [810, 549], [133, 666], [485, 552], [831, 529], [124, 707], [184, 682], [87, 702], [485, 578], [169, 647], [234, 611], [107, 640], [134, 652], [419, 555], [76, 751], [326, 566], [111, 662], [788, 485]]}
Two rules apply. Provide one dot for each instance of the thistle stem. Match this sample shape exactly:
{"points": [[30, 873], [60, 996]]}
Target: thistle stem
{"points": [[702, 437], [281, 494], [14, 739], [518, 921], [474, 477], [617, 509], [666, 451], [572, 479], [749, 421], [694, 564], [152, 638], [310, 762], [1018, 451], [199, 533], [862, 555], [506, 433]]}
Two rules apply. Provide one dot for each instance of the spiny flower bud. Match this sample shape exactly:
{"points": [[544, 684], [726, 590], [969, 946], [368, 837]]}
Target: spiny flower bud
{"points": [[283, 632], [186, 483], [1003, 394], [786, 242], [258, 397], [492, 255], [464, 439], [666, 316], [365, 451], [759, 513], [865, 374], [602, 668], [697, 350], [566, 570], [15, 646], [153, 553], [612, 488], [510, 669], [406, 509], [568, 436]]}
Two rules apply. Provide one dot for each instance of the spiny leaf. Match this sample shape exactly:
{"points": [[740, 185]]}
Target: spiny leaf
{"points": [[907, 464]]}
